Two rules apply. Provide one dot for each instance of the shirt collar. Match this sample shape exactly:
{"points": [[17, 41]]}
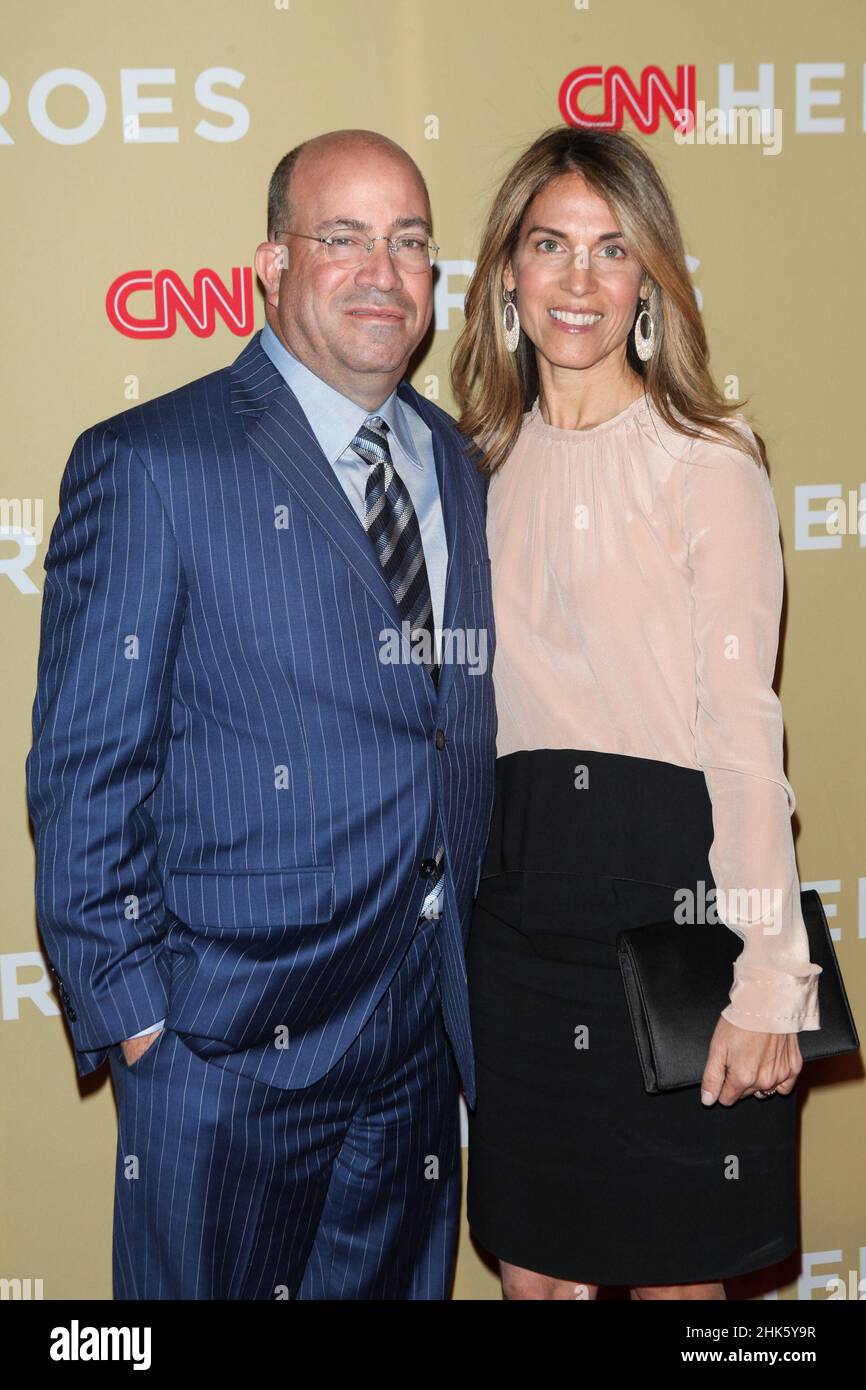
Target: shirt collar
{"points": [[333, 418]]}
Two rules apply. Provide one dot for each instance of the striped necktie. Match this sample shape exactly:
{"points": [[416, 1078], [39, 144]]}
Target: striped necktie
{"points": [[392, 525]]}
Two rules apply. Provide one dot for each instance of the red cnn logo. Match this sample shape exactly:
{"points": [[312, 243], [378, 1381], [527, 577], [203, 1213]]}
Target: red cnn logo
{"points": [[171, 299], [655, 98]]}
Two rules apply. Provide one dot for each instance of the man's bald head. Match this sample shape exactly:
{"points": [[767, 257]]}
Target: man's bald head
{"points": [[322, 148], [352, 320]]}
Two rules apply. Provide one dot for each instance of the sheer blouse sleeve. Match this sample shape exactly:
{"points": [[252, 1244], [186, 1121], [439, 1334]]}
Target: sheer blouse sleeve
{"points": [[731, 526]]}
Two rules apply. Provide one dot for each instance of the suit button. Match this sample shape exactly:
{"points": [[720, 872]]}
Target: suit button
{"points": [[427, 868], [71, 1015], [440, 739]]}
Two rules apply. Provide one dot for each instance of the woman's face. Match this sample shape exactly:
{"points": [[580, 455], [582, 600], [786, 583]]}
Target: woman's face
{"points": [[577, 281]]}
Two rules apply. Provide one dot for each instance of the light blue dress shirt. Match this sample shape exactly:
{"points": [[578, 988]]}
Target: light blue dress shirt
{"points": [[335, 420]]}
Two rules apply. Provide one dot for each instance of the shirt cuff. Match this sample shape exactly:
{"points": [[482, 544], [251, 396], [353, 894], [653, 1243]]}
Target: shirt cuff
{"points": [[154, 1028], [770, 1001]]}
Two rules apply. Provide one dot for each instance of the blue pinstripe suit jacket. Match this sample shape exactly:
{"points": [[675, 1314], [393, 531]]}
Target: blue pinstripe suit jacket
{"points": [[231, 794]]}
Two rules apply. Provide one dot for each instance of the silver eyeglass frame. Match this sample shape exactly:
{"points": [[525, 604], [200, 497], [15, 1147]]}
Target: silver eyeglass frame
{"points": [[432, 248]]}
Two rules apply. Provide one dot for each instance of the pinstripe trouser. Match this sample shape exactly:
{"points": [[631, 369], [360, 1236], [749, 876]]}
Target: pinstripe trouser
{"points": [[229, 1188]]}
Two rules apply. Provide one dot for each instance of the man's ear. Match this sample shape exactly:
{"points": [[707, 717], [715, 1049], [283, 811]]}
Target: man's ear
{"points": [[271, 259]]}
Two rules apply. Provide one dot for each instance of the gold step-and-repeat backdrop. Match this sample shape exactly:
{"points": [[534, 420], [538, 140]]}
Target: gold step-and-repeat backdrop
{"points": [[136, 143]]}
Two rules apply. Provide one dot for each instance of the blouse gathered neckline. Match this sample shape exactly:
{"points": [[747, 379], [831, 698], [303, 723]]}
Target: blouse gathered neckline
{"points": [[535, 422]]}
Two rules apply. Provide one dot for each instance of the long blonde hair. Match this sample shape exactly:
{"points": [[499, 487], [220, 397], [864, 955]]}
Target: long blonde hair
{"points": [[494, 388]]}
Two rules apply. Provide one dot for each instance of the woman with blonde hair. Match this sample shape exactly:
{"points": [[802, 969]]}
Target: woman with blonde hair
{"points": [[637, 586]]}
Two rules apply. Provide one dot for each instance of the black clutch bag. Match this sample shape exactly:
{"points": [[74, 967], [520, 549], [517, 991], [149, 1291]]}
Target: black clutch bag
{"points": [[677, 981]]}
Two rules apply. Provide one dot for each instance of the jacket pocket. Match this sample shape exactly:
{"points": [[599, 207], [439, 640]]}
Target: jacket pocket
{"points": [[223, 903]]}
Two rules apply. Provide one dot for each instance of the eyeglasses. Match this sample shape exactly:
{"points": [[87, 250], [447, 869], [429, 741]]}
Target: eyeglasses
{"points": [[411, 253]]}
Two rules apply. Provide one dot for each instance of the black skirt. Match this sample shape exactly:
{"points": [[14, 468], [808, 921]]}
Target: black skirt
{"points": [[574, 1170]]}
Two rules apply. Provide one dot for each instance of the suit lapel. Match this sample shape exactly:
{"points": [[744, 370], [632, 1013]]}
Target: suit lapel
{"points": [[279, 431]]}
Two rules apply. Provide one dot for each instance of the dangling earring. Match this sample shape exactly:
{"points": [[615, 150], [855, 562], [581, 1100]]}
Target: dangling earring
{"points": [[512, 328], [644, 332]]}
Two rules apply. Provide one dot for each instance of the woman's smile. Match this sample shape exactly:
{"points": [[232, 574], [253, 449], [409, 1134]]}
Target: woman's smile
{"points": [[571, 322]]}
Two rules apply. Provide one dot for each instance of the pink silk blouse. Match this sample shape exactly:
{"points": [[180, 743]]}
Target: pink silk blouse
{"points": [[637, 588]]}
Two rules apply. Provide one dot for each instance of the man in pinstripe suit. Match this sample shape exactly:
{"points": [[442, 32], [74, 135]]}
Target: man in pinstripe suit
{"points": [[258, 832]]}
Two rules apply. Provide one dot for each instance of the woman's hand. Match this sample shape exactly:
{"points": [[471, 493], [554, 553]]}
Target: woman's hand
{"points": [[740, 1063]]}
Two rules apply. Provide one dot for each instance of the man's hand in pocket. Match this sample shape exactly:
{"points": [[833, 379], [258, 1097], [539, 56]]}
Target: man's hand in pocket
{"points": [[133, 1048]]}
